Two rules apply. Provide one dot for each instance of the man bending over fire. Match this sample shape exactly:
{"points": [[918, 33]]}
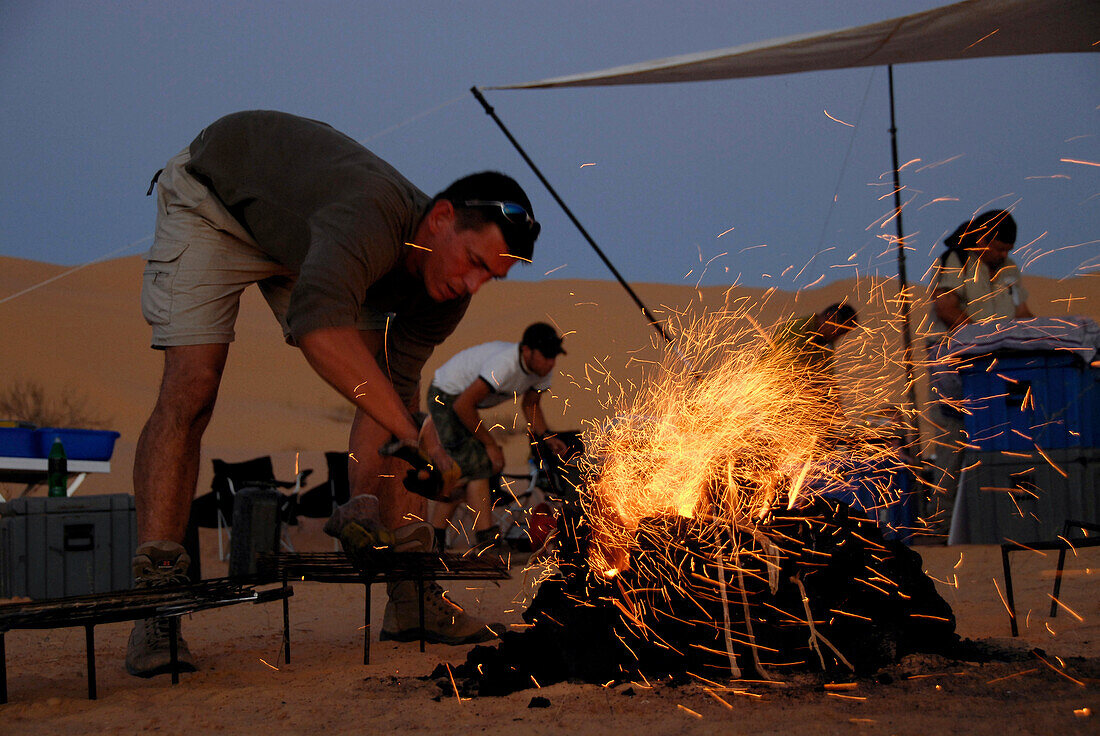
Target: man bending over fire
{"points": [[365, 273]]}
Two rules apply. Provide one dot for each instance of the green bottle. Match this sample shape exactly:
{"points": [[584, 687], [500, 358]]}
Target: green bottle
{"points": [[57, 467]]}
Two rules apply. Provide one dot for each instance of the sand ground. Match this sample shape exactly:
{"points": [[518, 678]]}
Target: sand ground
{"points": [[244, 686], [83, 340]]}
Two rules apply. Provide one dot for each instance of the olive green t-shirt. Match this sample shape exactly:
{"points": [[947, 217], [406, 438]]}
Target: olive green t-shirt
{"points": [[321, 204]]}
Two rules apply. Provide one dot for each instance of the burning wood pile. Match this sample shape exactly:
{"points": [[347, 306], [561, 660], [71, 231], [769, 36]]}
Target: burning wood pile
{"points": [[704, 539]]}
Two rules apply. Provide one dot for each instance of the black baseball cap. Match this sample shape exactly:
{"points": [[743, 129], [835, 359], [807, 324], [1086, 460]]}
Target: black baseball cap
{"points": [[544, 338]]}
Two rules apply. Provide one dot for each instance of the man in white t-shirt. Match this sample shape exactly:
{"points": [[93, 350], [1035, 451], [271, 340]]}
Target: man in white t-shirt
{"points": [[479, 378]]}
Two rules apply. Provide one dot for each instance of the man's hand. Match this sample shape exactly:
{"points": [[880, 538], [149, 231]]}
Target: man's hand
{"points": [[496, 456], [556, 445], [425, 478], [431, 446]]}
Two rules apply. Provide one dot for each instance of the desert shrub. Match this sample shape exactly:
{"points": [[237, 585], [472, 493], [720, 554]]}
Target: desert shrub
{"points": [[30, 401]]}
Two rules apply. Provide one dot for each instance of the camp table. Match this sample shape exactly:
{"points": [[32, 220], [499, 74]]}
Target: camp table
{"points": [[334, 567], [1062, 544], [91, 610]]}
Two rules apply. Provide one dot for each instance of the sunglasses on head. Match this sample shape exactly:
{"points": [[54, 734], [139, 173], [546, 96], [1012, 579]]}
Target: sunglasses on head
{"points": [[512, 212]]}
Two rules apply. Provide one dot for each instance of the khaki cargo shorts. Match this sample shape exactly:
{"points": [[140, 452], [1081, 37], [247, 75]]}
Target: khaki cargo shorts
{"points": [[463, 447], [201, 261]]}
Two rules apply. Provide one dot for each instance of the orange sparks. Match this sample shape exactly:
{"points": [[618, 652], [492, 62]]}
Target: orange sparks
{"points": [[1078, 161], [983, 38], [1056, 670], [718, 697], [1066, 608], [837, 120], [454, 685], [728, 425], [1015, 674]]}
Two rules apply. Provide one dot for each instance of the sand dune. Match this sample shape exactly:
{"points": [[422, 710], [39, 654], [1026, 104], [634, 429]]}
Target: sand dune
{"points": [[83, 335]]}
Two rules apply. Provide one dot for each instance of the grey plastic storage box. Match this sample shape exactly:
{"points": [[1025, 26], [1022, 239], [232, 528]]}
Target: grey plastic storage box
{"points": [[1025, 499], [56, 547], [256, 528]]}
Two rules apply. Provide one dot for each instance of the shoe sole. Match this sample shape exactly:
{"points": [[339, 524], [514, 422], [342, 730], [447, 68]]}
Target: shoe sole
{"points": [[162, 670], [485, 634]]}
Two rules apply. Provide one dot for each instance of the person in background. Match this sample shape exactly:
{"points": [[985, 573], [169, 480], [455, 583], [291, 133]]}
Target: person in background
{"points": [[813, 337], [479, 378], [974, 282]]}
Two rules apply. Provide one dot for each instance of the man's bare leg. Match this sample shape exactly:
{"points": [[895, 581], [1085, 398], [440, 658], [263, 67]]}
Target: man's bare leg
{"points": [[165, 468], [477, 500], [166, 464], [370, 473]]}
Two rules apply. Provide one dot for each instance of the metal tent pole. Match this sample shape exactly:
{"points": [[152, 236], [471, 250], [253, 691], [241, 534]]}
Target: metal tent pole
{"points": [[903, 286], [645, 310]]}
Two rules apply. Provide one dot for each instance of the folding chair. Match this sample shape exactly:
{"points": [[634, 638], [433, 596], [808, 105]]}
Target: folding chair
{"points": [[551, 480], [566, 476], [215, 509], [320, 501], [513, 497]]}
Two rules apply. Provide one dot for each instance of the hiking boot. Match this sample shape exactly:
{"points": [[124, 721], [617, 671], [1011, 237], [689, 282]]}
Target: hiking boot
{"points": [[416, 537], [444, 621], [358, 526], [156, 565]]}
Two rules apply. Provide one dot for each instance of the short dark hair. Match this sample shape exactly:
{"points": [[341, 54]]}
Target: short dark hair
{"points": [[544, 338], [999, 223], [492, 186]]}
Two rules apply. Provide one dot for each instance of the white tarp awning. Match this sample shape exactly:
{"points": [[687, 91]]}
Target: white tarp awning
{"points": [[966, 30]]}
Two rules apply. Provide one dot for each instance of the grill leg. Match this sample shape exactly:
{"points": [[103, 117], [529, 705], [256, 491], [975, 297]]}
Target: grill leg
{"points": [[173, 647], [420, 602], [89, 641], [286, 623], [1008, 589], [3, 671], [366, 623], [1058, 582]]}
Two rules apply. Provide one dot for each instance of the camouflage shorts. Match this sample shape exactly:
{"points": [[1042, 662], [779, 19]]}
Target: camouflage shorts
{"points": [[463, 447]]}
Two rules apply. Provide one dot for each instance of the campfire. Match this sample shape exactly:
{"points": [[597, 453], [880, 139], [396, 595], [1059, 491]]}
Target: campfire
{"points": [[703, 538]]}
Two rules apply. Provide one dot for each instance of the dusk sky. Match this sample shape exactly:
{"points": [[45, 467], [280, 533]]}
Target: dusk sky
{"points": [[774, 172]]}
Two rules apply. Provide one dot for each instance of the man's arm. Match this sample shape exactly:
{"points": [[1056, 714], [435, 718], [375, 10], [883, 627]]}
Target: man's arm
{"points": [[465, 407], [536, 423], [340, 356], [949, 310]]}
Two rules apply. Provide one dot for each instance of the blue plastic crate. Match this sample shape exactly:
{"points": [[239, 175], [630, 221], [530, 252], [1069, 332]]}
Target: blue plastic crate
{"points": [[1019, 401], [881, 490], [17, 442], [80, 444]]}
